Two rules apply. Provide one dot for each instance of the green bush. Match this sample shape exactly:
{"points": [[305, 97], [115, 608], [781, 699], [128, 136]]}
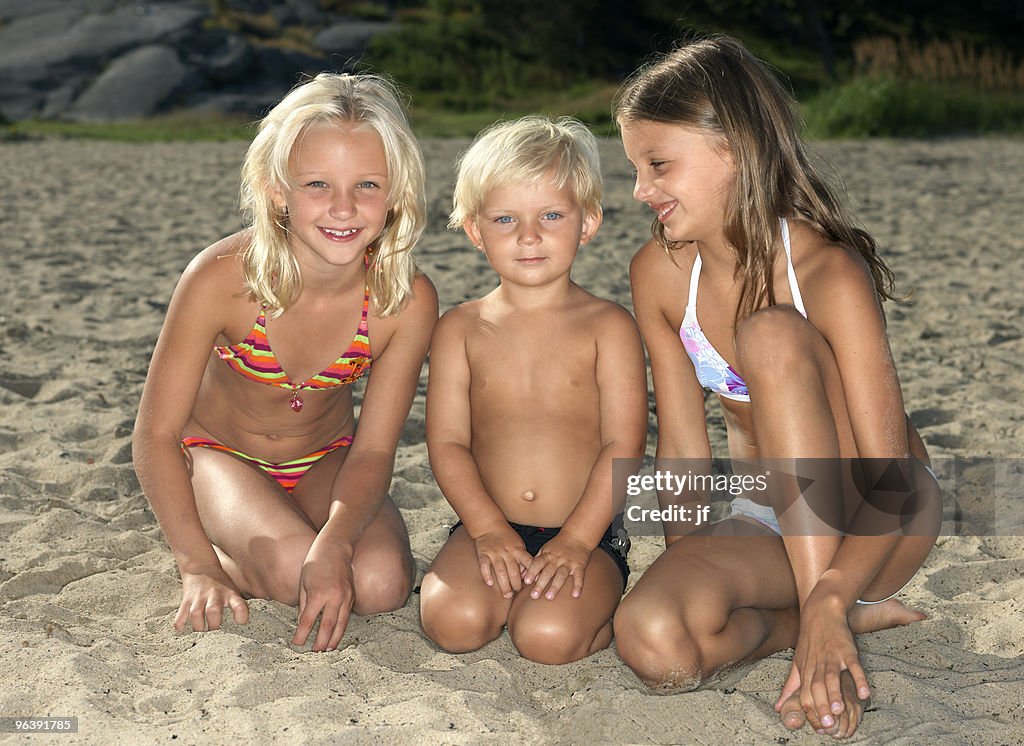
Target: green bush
{"points": [[890, 107]]}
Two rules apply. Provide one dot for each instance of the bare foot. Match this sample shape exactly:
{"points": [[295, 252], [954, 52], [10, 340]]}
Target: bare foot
{"points": [[792, 712], [873, 617]]}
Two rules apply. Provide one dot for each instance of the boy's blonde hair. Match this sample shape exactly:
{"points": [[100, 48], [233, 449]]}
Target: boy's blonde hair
{"points": [[527, 150], [368, 102]]}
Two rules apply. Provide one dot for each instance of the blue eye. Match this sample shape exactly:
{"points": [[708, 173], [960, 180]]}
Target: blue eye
{"points": [[552, 215], [317, 184], [368, 185], [504, 219]]}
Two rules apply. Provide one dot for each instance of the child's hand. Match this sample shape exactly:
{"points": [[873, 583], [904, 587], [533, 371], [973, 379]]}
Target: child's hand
{"points": [[556, 561], [825, 649], [326, 590], [502, 555], [205, 592]]}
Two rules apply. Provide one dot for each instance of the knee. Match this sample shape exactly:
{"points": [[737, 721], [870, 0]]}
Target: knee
{"points": [[383, 582], [454, 624], [655, 642], [548, 640], [278, 576], [773, 341]]}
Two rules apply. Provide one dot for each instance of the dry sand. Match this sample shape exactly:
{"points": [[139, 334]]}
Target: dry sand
{"points": [[93, 237]]}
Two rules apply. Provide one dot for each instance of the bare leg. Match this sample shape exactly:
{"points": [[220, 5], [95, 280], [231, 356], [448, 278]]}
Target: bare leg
{"points": [[382, 567], [707, 603], [261, 534], [566, 629], [801, 410], [458, 611]]}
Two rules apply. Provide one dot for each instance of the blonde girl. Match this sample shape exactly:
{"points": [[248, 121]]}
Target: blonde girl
{"points": [[246, 443], [787, 330]]}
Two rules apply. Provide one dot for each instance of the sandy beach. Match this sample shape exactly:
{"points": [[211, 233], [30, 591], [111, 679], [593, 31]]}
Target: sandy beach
{"points": [[93, 237]]}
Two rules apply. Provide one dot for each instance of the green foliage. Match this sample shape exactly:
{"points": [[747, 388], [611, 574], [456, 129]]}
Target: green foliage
{"points": [[890, 107], [185, 127], [590, 103]]}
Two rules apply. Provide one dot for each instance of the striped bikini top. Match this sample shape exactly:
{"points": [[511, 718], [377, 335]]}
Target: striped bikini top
{"points": [[253, 358], [713, 372]]}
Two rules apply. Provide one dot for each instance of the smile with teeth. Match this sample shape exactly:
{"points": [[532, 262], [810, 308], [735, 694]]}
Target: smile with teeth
{"points": [[665, 209], [340, 234]]}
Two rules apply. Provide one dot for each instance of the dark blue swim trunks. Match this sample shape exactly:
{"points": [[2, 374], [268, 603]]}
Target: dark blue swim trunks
{"points": [[615, 541]]}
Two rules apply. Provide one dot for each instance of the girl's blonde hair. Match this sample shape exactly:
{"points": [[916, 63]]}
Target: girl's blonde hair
{"points": [[523, 151], [716, 85], [366, 101]]}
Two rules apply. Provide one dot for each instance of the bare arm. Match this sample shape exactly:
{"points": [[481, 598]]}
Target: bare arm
{"points": [[365, 477], [622, 391], [194, 319], [659, 297], [844, 307], [500, 551]]}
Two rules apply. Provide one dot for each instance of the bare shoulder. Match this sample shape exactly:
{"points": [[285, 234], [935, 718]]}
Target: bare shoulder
{"points": [[834, 280], [214, 280], [458, 322], [423, 299], [653, 271], [607, 315], [219, 264]]}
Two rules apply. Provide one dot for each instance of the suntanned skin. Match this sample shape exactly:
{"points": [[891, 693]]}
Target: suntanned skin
{"points": [[337, 543], [534, 389], [824, 387]]}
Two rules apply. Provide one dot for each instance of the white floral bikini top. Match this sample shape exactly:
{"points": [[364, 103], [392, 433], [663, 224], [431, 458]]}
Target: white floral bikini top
{"points": [[712, 371]]}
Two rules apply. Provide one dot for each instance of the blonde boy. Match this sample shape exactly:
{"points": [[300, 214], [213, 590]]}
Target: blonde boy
{"points": [[534, 389]]}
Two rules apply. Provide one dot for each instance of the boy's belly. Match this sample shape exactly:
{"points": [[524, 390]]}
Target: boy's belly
{"points": [[537, 471]]}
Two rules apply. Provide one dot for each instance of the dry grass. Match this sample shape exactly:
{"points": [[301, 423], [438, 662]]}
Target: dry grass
{"points": [[937, 61]]}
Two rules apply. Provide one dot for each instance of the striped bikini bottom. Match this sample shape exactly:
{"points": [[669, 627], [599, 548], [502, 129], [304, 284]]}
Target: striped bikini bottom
{"points": [[287, 473]]}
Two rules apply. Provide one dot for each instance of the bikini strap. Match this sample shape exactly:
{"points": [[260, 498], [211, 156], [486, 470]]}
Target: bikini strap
{"points": [[366, 294], [794, 288], [691, 301]]}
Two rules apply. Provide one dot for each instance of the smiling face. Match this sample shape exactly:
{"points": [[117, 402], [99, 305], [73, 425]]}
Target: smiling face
{"points": [[683, 174], [338, 204], [530, 232]]}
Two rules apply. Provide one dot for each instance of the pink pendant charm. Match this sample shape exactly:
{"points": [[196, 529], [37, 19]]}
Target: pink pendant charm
{"points": [[296, 402]]}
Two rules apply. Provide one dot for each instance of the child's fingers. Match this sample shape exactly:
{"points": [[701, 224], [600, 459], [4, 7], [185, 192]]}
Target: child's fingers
{"points": [[860, 679], [239, 609], [543, 580], [328, 621], [557, 581], [197, 618], [833, 690], [485, 571], [214, 610], [534, 568], [501, 576], [181, 616], [822, 708], [515, 575], [339, 629], [577, 583], [307, 616]]}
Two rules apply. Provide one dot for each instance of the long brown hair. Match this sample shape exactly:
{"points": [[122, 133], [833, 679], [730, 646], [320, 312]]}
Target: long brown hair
{"points": [[717, 85]]}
